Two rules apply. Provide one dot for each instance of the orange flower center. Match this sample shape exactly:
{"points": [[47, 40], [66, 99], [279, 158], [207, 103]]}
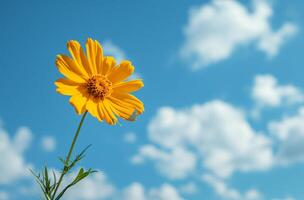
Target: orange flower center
{"points": [[99, 86]]}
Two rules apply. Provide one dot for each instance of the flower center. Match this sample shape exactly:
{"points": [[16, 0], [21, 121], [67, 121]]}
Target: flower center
{"points": [[99, 86]]}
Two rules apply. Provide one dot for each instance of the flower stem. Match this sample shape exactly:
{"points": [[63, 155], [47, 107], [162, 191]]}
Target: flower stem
{"points": [[69, 154]]}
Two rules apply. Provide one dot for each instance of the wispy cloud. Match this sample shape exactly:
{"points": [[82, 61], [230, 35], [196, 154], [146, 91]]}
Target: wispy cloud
{"points": [[228, 193], [130, 137]]}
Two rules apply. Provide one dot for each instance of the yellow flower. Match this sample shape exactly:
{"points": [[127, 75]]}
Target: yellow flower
{"points": [[97, 84]]}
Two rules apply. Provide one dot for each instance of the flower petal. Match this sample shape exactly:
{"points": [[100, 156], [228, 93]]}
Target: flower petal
{"points": [[67, 87], [99, 57], [108, 64], [107, 112], [92, 107], [68, 70], [93, 50], [128, 100], [79, 101], [121, 72], [79, 56], [73, 66], [121, 110], [127, 87]]}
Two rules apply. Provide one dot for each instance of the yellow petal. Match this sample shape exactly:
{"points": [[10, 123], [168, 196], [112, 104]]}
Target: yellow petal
{"points": [[108, 107], [92, 107], [121, 110], [91, 54], [75, 67], [121, 72], [77, 55], [67, 70], [107, 112], [128, 100], [99, 57], [79, 102], [67, 87], [108, 65], [127, 87]]}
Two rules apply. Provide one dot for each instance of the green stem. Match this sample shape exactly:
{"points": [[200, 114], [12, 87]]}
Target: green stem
{"points": [[69, 154]]}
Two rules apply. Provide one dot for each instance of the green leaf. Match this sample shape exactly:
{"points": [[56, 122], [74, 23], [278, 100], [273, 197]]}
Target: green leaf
{"points": [[80, 176]]}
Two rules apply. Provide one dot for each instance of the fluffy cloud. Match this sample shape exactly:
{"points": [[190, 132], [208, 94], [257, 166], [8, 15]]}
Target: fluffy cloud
{"points": [[175, 163], [137, 192], [215, 30], [48, 143], [290, 135], [12, 164], [134, 192], [215, 133], [267, 92], [228, 193]]}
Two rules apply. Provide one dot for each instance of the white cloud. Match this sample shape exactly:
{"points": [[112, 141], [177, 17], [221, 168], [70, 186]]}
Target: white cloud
{"points": [[215, 133], [134, 192], [12, 164], [130, 137], [22, 139], [268, 92], [227, 193], [165, 192], [137, 192], [48, 143], [175, 163], [270, 43], [215, 30], [290, 135]]}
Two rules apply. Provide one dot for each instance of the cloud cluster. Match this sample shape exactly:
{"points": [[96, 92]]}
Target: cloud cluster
{"points": [[289, 133], [13, 166], [216, 137], [267, 91], [215, 30], [215, 134]]}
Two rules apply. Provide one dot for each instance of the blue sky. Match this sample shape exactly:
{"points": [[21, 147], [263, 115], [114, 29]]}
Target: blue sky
{"points": [[223, 98]]}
